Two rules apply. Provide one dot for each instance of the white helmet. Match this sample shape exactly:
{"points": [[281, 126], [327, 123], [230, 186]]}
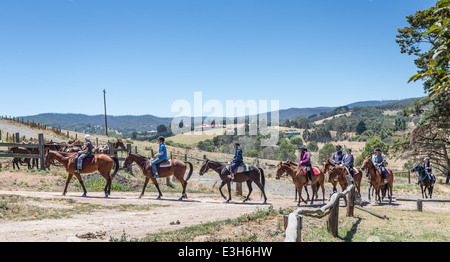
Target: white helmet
{"points": [[88, 137]]}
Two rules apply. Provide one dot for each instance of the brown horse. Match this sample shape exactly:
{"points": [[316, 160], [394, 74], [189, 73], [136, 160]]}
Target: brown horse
{"points": [[299, 178], [177, 169], [102, 163], [337, 174], [19, 150], [104, 149], [376, 182]]}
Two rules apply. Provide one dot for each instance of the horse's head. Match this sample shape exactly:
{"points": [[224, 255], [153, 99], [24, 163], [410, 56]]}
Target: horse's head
{"points": [[205, 167], [119, 143], [326, 164], [280, 171], [48, 158], [128, 161], [366, 164], [417, 168]]}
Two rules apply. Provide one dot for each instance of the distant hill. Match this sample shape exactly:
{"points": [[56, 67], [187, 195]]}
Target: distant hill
{"points": [[143, 123]]}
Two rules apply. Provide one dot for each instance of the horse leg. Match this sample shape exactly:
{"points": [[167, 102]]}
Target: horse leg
{"points": [[157, 187], [307, 194], [261, 187], [180, 178], [421, 188], [145, 186], [229, 191], [69, 177], [220, 189], [78, 176], [250, 189], [108, 187]]}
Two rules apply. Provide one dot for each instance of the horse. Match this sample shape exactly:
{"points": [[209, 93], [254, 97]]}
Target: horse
{"points": [[299, 177], [424, 180], [338, 173], [19, 150], [375, 180], [255, 174], [104, 149], [177, 169], [102, 163]]}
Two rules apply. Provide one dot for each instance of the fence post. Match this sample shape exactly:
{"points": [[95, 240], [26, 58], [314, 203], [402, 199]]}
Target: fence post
{"points": [[419, 205], [41, 150], [333, 219]]}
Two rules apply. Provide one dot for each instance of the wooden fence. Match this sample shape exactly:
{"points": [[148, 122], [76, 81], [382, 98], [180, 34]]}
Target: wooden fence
{"points": [[293, 221], [421, 201], [40, 146]]}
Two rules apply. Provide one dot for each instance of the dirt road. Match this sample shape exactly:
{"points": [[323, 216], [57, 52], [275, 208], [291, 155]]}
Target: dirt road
{"points": [[23, 131]]}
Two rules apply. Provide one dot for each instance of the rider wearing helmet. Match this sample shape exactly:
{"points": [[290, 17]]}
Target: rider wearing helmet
{"points": [[378, 160], [159, 157], [427, 166], [348, 160], [236, 161], [88, 151], [338, 155], [305, 161]]}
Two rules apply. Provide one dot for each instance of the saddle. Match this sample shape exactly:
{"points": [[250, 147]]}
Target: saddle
{"points": [[241, 168], [316, 171], [165, 163], [88, 160]]}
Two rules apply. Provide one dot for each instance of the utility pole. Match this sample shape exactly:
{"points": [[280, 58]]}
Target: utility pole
{"points": [[106, 122]]}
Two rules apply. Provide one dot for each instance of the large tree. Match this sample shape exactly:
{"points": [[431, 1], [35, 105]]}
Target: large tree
{"points": [[431, 137]]}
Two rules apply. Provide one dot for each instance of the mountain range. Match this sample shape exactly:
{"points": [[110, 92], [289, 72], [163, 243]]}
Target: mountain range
{"points": [[144, 123]]}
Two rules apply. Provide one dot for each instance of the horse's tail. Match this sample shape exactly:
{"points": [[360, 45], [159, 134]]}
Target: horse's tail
{"points": [[116, 166], [191, 169], [263, 179]]}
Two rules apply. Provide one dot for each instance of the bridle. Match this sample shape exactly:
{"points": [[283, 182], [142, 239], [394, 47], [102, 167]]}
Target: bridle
{"points": [[206, 167]]}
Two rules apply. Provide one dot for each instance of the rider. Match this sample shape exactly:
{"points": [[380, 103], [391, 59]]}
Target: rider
{"points": [[236, 161], [427, 166], [338, 155], [84, 153], [348, 160], [159, 157], [378, 160], [305, 161]]}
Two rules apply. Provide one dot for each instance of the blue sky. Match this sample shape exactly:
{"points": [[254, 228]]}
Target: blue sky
{"points": [[59, 55]]}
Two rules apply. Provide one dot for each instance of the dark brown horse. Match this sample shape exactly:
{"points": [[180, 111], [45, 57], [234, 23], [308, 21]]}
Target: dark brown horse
{"points": [[102, 163], [299, 178], [376, 181], [177, 169], [424, 180], [255, 174]]}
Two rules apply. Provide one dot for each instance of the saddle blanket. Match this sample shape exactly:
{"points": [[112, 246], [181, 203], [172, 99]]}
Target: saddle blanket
{"points": [[242, 168], [87, 160], [316, 171]]}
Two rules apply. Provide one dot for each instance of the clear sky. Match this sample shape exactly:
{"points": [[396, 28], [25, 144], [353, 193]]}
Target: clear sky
{"points": [[59, 55]]}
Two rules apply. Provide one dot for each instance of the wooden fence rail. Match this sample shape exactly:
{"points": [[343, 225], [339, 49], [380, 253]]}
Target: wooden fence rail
{"points": [[293, 221], [40, 146]]}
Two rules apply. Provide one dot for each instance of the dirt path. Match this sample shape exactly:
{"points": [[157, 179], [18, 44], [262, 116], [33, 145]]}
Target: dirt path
{"points": [[23, 131], [199, 208]]}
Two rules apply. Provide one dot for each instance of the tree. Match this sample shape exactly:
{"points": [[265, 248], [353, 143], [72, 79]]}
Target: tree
{"points": [[360, 127], [431, 136], [326, 152], [286, 151]]}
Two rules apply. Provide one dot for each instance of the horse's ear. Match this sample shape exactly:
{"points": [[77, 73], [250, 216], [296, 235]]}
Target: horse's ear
{"points": [[129, 152]]}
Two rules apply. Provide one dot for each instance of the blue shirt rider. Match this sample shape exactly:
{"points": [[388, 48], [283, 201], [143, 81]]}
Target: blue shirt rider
{"points": [[378, 160], [159, 157], [348, 160], [236, 161], [338, 156]]}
